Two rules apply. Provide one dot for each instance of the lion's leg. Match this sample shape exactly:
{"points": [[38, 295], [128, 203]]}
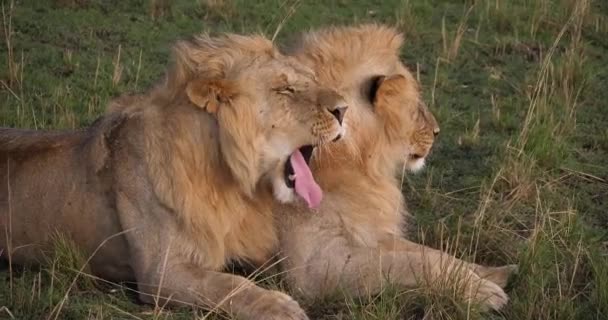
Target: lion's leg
{"points": [[190, 285], [165, 276], [498, 275], [412, 269], [363, 271]]}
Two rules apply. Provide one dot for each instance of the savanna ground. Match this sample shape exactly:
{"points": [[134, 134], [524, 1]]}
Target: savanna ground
{"points": [[519, 173]]}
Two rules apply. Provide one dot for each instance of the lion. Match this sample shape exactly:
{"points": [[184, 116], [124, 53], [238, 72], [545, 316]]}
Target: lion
{"points": [[354, 240], [170, 185]]}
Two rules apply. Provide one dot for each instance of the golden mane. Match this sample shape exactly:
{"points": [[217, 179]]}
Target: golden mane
{"points": [[368, 46], [214, 57], [351, 60]]}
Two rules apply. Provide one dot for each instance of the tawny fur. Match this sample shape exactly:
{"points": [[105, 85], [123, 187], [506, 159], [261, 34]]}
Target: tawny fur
{"points": [[171, 184], [354, 241]]}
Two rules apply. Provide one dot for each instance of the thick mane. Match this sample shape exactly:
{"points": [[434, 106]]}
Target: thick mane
{"points": [[345, 53], [350, 60], [201, 169], [212, 57]]}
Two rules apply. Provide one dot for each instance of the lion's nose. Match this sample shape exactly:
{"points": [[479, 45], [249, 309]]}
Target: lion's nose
{"points": [[338, 113]]}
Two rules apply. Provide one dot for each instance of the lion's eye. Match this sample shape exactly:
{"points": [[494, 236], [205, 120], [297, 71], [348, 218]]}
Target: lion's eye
{"points": [[288, 90]]}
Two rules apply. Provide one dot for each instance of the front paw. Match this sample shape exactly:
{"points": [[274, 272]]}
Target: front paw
{"points": [[275, 305], [488, 294]]}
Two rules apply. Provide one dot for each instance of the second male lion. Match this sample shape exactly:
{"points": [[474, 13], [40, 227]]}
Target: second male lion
{"points": [[354, 241], [170, 185]]}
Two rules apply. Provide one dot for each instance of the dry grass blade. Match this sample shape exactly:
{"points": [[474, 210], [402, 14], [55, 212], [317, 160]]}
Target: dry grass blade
{"points": [[585, 175], [260, 270], [452, 47], [7, 311], [54, 314], [117, 72], [123, 312], [7, 23], [290, 12], [9, 227], [540, 89]]}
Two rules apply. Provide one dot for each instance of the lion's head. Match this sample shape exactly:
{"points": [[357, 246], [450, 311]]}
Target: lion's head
{"points": [[389, 124], [409, 126], [268, 111]]}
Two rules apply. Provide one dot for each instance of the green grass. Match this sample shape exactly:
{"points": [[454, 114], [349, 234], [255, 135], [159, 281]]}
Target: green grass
{"points": [[518, 175]]}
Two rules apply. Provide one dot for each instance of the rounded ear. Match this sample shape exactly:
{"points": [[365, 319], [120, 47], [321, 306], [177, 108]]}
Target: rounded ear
{"points": [[209, 94], [389, 87], [392, 103]]}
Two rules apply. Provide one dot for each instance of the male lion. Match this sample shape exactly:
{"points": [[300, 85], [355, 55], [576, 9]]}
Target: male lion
{"points": [[169, 186], [354, 241]]}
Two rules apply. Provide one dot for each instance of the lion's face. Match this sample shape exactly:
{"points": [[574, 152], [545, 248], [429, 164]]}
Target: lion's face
{"points": [[409, 125], [299, 115], [387, 120], [295, 115], [271, 114]]}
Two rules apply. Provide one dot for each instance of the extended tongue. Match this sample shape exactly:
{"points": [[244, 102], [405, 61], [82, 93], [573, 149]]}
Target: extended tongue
{"points": [[305, 185]]}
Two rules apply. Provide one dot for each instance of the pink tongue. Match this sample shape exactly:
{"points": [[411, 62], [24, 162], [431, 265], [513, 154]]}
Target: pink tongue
{"points": [[306, 186]]}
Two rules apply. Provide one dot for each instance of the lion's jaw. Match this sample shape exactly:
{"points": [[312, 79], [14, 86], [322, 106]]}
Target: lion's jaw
{"points": [[265, 105], [415, 165], [294, 177], [291, 176], [291, 119]]}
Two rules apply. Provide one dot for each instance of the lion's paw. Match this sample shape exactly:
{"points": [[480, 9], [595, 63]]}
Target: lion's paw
{"points": [[489, 295], [275, 305]]}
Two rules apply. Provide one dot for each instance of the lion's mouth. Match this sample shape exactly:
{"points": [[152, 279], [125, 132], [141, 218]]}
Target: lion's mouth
{"points": [[298, 176]]}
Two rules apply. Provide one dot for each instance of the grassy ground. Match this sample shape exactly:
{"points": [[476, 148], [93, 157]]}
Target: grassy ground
{"points": [[518, 175]]}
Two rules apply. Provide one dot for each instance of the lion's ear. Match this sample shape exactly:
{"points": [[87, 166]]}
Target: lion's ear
{"points": [[388, 87], [209, 94]]}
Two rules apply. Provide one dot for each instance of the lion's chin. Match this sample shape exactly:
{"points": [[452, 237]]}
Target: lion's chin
{"points": [[415, 165], [281, 191]]}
